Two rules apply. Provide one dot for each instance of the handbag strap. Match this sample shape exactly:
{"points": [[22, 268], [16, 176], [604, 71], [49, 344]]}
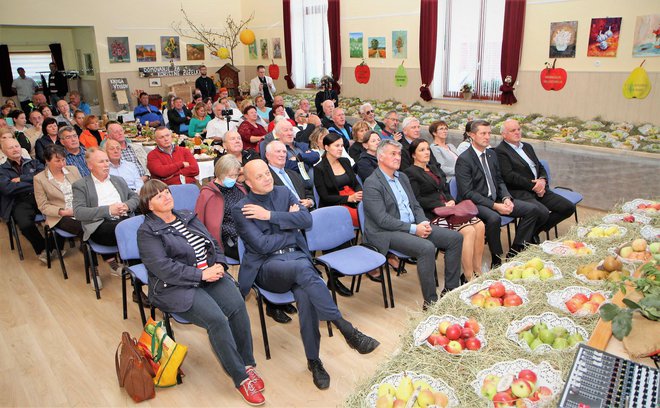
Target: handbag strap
{"points": [[156, 343], [119, 379]]}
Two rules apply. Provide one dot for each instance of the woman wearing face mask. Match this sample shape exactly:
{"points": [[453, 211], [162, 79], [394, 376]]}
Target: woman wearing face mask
{"points": [[218, 197]]}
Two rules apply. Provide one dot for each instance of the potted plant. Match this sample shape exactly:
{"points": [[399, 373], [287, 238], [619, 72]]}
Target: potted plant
{"points": [[313, 83], [466, 91]]}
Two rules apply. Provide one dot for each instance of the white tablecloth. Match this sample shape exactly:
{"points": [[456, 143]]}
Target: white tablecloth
{"points": [[206, 168]]}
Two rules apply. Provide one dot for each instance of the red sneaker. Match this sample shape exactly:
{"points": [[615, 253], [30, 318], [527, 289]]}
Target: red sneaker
{"points": [[254, 377], [250, 394]]}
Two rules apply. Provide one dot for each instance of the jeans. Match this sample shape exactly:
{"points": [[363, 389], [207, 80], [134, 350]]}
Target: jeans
{"points": [[220, 309]]}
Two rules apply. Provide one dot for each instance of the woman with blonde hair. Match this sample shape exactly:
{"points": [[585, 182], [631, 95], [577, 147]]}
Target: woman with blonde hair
{"points": [[199, 120], [91, 135], [360, 130]]}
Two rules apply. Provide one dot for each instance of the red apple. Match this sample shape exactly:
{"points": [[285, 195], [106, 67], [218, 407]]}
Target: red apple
{"points": [[454, 332], [473, 344], [497, 289], [579, 245], [453, 347], [573, 305], [543, 392], [503, 399], [513, 300], [461, 341], [596, 298], [467, 332], [472, 324], [521, 388], [590, 307], [629, 218], [580, 298], [528, 375], [435, 339], [442, 327], [509, 292]]}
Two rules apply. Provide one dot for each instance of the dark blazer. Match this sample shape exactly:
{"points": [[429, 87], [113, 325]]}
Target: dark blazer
{"points": [[406, 158], [289, 111], [365, 165], [298, 183], [429, 193], [327, 122], [170, 261], [355, 151], [303, 135], [175, 120], [40, 146], [262, 238], [471, 179], [205, 86], [9, 190], [381, 210], [325, 182], [322, 96], [60, 82], [516, 172]]}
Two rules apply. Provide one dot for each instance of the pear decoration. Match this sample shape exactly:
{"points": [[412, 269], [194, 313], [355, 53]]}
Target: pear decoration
{"points": [[401, 76], [638, 84]]}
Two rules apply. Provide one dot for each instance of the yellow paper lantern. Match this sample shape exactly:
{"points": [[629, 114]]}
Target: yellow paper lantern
{"points": [[223, 53], [247, 36]]}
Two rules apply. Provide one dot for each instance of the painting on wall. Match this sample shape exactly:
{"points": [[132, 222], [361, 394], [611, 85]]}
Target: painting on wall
{"points": [[400, 44], [252, 51], [647, 36], [562, 39], [604, 37], [263, 45], [355, 45], [377, 47], [145, 52], [277, 48], [169, 48], [118, 50], [195, 52]]}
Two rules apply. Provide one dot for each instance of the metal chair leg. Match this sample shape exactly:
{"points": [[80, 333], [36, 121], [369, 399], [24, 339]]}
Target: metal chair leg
{"points": [[59, 254], [124, 275], [14, 232], [93, 270], [389, 283], [47, 242], [262, 320], [11, 235]]}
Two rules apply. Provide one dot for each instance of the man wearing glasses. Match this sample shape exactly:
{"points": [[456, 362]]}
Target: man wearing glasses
{"points": [[75, 153], [368, 115], [303, 128], [391, 129]]}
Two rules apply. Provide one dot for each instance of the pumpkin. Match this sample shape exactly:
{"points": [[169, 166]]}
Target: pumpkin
{"points": [[362, 73], [553, 79], [247, 36], [637, 84], [274, 70], [223, 53]]}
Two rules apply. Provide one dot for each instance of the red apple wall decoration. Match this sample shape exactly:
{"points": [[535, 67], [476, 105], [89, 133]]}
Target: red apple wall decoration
{"points": [[553, 79], [274, 70], [362, 73]]}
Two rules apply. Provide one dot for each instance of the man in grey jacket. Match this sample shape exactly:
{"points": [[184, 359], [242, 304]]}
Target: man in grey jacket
{"points": [[395, 220]]}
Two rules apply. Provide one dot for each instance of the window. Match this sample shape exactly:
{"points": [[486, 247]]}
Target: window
{"points": [[32, 62], [469, 48], [310, 41]]}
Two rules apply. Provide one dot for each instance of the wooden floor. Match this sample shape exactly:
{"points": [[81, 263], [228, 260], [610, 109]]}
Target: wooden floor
{"points": [[57, 342]]}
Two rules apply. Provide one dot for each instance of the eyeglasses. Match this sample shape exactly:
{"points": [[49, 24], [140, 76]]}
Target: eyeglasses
{"points": [[369, 112], [303, 115]]}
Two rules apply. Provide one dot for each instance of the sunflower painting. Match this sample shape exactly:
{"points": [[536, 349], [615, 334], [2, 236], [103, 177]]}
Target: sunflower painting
{"points": [[169, 48]]}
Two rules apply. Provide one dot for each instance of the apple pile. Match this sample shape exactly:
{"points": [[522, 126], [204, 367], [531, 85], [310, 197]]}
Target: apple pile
{"points": [[455, 338], [582, 304], [557, 337], [397, 397], [610, 269], [604, 232], [496, 295], [577, 247], [628, 218], [650, 208], [509, 390], [532, 269], [637, 251]]}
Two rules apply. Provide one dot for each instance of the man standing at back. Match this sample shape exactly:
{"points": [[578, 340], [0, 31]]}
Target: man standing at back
{"points": [[57, 84], [205, 84], [263, 85], [24, 88]]}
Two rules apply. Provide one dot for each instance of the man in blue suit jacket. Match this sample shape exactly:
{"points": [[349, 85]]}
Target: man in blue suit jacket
{"points": [[269, 220]]}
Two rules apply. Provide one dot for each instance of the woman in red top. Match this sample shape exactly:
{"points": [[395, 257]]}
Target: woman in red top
{"points": [[251, 132], [279, 111]]}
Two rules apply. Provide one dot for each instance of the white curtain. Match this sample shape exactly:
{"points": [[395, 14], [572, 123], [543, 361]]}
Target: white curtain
{"points": [[310, 41]]}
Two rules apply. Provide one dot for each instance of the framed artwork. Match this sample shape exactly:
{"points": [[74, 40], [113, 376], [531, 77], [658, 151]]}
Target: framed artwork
{"points": [[647, 36], [170, 50], [277, 48], [604, 37], [252, 51], [263, 45], [145, 52], [195, 52], [355, 41], [377, 47], [118, 50], [153, 82], [400, 44], [562, 39]]}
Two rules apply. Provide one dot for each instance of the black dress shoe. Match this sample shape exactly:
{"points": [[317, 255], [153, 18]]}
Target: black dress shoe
{"points": [[496, 262], [536, 240], [361, 342], [321, 377], [145, 300], [341, 289], [463, 279], [277, 314], [289, 308]]}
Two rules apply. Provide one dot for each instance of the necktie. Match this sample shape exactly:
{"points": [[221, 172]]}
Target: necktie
{"points": [[285, 178], [489, 177]]}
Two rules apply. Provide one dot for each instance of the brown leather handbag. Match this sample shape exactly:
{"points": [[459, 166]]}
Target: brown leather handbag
{"points": [[134, 371]]}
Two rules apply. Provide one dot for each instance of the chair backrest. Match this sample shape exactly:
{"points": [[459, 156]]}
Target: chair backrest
{"points": [[317, 199], [359, 180], [331, 227], [453, 187], [361, 217], [546, 166], [185, 196], [241, 249], [126, 233]]}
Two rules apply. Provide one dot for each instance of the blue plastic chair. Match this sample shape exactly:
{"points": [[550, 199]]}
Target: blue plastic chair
{"points": [[331, 228], [572, 196], [185, 196], [13, 234], [90, 250], [51, 236]]}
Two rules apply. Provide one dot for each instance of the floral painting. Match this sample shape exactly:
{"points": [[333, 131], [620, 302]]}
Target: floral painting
{"points": [[377, 47], [263, 45], [562, 39], [355, 45], [145, 52], [170, 49], [195, 52], [647, 36], [118, 50], [277, 48], [604, 37], [400, 44]]}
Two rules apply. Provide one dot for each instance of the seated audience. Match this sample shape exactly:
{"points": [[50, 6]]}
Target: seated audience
{"points": [[467, 141], [341, 127], [233, 145], [19, 128], [217, 127], [208, 106], [79, 122], [430, 186], [76, 103], [327, 107], [395, 220], [279, 100], [45, 111], [368, 162], [188, 276], [65, 116], [91, 135], [132, 152], [276, 156], [269, 220], [262, 110], [5, 111], [122, 168], [178, 117], [75, 153], [299, 157], [17, 194], [100, 202], [198, 121], [303, 128], [360, 130], [34, 133], [38, 99], [146, 113], [251, 132], [368, 114], [316, 141], [224, 93], [391, 129], [196, 98], [6, 133], [50, 130], [166, 107], [305, 106], [445, 153], [527, 180], [170, 163], [411, 131], [279, 111]]}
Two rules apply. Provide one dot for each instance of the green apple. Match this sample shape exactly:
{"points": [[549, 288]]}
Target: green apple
{"points": [[626, 251], [530, 273], [535, 263], [547, 336], [537, 342], [537, 328], [513, 274], [527, 336], [575, 338], [560, 343], [655, 248], [546, 273], [560, 331]]}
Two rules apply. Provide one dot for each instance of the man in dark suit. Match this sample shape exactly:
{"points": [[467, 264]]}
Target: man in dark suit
{"points": [[412, 130], [179, 117], [478, 178], [526, 179], [270, 220], [395, 220], [276, 157]]}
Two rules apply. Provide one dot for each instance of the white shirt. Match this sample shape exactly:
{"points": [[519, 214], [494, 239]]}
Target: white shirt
{"points": [[519, 149], [24, 88], [106, 192], [218, 127]]}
